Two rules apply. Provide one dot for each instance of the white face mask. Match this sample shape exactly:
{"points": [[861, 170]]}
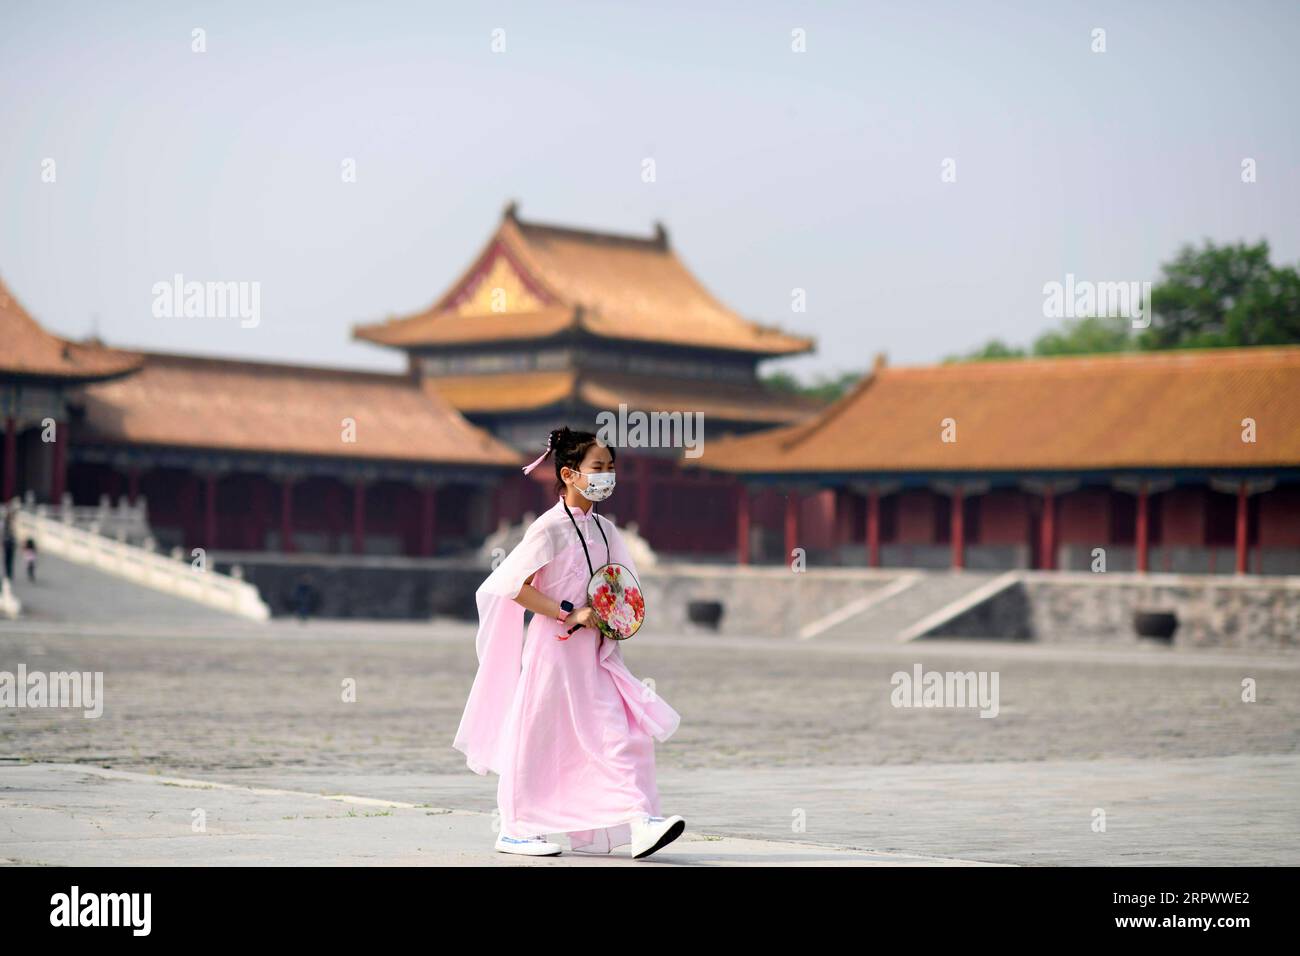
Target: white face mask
{"points": [[600, 485]]}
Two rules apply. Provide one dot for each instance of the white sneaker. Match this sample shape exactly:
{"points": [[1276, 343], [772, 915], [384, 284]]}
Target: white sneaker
{"points": [[533, 846], [654, 833]]}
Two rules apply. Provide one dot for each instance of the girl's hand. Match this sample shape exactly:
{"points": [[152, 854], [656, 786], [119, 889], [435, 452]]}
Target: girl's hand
{"points": [[582, 615]]}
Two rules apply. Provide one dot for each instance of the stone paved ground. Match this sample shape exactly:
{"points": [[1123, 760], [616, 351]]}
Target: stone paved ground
{"points": [[772, 734], [76, 814]]}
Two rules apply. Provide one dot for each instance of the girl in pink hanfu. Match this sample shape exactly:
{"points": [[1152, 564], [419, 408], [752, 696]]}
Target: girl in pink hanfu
{"points": [[558, 716]]}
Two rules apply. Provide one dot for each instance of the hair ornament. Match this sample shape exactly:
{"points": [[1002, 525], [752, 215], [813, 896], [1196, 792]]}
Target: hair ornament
{"points": [[538, 460]]}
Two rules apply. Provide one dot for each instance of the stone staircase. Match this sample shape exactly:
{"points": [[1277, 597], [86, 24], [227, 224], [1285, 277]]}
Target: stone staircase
{"points": [[894, 613], [68, 593], [60, 539]]}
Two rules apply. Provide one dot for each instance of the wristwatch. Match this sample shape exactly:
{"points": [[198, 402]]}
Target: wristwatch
{"points": [[566, 608]]}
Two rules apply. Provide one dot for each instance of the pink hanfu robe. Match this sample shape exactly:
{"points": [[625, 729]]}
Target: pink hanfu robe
{"points": [[563, 723]]}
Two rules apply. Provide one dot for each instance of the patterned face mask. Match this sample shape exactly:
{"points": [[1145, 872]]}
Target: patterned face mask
{"points": [[600, 485]]}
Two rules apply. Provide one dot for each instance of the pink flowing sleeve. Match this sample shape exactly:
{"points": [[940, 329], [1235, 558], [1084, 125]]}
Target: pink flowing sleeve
{"points": [[499, 645]]}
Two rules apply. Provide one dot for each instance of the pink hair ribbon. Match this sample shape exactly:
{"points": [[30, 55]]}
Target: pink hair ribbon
{"points": [[538, 461]]}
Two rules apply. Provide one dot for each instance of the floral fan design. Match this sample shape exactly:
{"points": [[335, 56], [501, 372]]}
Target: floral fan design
{"points": [[615, 596]]}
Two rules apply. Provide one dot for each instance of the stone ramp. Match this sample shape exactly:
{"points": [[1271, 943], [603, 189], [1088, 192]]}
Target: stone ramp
{"points": [[893, 613], [67, 593]]}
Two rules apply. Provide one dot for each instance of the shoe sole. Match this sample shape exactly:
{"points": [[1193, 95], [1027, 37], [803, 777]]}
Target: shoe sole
{"points": [[517, 853], [671, 834], [514, 853]]}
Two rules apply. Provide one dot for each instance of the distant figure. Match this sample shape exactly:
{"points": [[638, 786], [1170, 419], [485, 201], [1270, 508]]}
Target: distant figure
{"points": [[11, 542], [304, 597], [29, 558]]}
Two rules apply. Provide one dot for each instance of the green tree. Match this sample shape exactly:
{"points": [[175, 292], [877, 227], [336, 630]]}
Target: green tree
{"points": [[1224, 295], [993, 349], [826, 389], [1084, 336], [1215, 296], [1087, 336]]}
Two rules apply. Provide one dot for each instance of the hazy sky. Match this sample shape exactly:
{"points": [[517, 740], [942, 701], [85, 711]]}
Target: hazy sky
{"points": [[775, 170]]}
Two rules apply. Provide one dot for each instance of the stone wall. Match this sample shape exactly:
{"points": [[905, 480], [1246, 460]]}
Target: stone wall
{"points": [[757, 602], [1182, 560], [766, 601], [373, 588], [1238, 612]]}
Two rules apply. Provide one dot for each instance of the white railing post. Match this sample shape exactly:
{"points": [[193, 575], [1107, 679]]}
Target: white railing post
{"points": [[10, 606]]}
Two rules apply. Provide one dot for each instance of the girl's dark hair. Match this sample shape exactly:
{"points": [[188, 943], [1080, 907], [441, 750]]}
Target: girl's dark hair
{"points": [[568, 448]]}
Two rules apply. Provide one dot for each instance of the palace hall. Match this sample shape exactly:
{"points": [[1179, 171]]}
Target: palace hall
{"points": [[1167, 461]]}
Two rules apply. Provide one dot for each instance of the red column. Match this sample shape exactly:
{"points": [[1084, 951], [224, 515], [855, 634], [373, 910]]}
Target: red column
{"points": [[210, 512], [428, 519], [958, 537], [742, 525], [359, 517], [837, 522], [873, 528], [1142, 528], [59, 474], [1242, 553], [1047, 537], [263, 515], [643, 495], [286, 515], [187, 495], [791, 523], [494, 516], [11, 459]]}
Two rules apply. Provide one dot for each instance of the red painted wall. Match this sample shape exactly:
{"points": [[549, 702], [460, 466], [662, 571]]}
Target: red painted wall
{"points": [[1279, 517], [1004, 517], [1083, 517], [1182, 517], [916, 524]]}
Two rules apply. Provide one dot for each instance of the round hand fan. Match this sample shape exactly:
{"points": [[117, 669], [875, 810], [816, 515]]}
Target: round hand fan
{"points": [[616, 601]]}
